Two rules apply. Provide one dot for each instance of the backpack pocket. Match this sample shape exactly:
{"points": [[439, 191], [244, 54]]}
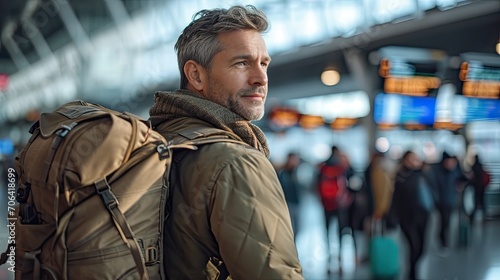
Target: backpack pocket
{"points": [[106, 263], [29, 241]]}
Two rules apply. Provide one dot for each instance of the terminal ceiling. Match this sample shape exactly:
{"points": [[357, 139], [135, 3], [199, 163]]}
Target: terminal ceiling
{"points": [[90, 47]]}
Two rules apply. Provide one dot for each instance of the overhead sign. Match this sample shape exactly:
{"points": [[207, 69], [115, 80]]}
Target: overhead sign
{"points": [[410, 71], [466, 110], [282, 117], [479, 75], [482, 109], [392, 109], [404, 78]]}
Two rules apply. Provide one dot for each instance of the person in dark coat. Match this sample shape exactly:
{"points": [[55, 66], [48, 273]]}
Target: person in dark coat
{"points": [[479, 180], [412, 212], [447, 178], [291, 187]]}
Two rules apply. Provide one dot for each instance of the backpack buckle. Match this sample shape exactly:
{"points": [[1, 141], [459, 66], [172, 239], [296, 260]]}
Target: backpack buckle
{"points": [[151, 255], [163, 151], [23, 192], [65, 129], [104, 190]]}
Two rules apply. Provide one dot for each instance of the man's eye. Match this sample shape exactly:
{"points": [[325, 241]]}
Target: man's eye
{"points": [[241, 63]]}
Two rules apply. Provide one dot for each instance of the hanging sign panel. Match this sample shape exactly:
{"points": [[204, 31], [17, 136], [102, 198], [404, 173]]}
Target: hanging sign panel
{"points": [[410, 71], [400, 109], [479, 75], [481, 109]]}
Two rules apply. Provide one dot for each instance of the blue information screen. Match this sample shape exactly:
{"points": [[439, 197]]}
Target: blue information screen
{"points": [[482, 109], [402, 109]]}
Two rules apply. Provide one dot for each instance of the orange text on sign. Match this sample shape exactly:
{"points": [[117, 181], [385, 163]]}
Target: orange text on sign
{"points": [[415, 86]]}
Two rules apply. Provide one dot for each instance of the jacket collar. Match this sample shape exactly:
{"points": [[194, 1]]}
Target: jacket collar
{"points": [[184, 103]]}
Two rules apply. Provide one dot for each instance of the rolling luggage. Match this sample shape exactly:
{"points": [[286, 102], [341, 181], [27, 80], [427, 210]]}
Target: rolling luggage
{"points": [[463, 231], [384, 254], [464, 222]]}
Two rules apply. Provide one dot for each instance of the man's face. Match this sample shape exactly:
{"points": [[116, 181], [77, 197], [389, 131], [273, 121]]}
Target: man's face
{"points": [[237, 78]]}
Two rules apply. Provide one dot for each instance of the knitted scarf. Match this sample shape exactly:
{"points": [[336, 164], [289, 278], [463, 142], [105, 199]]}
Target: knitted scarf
{"points": [[184, 103]]}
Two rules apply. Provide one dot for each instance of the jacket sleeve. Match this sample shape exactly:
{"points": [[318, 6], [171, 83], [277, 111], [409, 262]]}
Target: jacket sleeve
{"points": [[250, 220]]}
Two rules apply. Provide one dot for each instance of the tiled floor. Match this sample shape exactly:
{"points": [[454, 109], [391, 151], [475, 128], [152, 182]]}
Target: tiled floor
{"points": [[478, 261]]}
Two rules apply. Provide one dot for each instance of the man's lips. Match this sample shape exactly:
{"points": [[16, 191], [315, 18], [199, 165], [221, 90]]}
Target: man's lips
{"points": [[254, 96]]}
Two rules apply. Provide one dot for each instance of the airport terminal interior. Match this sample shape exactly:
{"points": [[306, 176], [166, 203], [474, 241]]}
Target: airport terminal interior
{"points": [[366, 76]]}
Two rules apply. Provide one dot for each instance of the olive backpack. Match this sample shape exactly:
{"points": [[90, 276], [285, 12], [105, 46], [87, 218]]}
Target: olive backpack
{"points": [[92, 193]]}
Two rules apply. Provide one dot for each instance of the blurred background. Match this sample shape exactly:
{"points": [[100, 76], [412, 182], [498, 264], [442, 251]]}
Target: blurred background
{"points": [[364, 75]]}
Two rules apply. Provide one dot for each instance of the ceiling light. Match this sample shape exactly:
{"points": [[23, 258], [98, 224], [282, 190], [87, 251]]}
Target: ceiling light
{"points": [[330, 77]]}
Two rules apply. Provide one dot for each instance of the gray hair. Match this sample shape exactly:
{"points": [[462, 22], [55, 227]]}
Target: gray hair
{"points": [[199, 40]]}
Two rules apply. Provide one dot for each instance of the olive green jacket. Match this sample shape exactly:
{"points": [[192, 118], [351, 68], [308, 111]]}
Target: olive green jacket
{"points": [[228, 214]]}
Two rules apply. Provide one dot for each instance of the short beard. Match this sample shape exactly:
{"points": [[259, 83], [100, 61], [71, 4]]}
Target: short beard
{"points": [[245, 112]]}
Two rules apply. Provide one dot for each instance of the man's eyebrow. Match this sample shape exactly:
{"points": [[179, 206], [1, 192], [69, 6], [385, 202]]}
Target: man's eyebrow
{"points": [[248, 56]]}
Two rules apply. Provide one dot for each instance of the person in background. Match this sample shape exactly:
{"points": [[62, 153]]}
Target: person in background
{"points": [[412, 206], [479, 179], [378, 178], [447, 179], [376, 196], [291, 187], [227, 216], [335, 197]]}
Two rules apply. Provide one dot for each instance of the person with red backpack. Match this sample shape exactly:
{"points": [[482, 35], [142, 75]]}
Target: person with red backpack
{"points": [[332, 184]]}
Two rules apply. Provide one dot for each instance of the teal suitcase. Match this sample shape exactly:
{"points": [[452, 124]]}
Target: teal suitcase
{"points": [[463, 230], [384, 257]]}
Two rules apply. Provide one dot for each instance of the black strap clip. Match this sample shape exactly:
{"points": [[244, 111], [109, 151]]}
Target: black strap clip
{"points": [[23, 192], [163, 151], [29, 215], [107, 196], [65, 129], [34, 127]]}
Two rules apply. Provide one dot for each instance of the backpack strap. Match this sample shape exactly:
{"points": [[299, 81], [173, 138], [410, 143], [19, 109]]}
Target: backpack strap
{"points": [[203, 132], [206, 135], [111, 203], [190, 140]]}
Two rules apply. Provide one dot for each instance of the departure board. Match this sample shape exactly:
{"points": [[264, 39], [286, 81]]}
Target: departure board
{"points": [[479, 75], [401, 109], [410, 71]]}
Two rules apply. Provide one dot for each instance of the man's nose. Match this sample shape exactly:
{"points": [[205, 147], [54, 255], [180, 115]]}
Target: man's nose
{"points": [[258, 76]]}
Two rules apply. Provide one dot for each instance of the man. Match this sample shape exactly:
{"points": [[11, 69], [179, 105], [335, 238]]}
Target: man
{"points": [[228, 215]]}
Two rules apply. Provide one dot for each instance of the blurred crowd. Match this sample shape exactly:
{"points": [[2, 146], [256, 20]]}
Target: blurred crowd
{"points": [[390, 195]]}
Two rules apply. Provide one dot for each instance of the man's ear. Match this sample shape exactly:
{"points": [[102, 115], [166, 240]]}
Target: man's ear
{"points": [[195, 74]]}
